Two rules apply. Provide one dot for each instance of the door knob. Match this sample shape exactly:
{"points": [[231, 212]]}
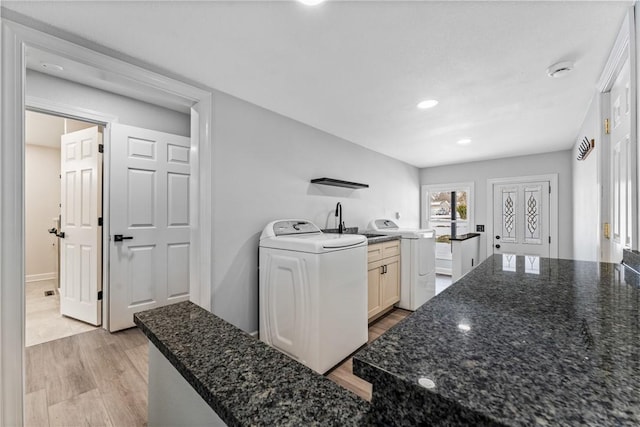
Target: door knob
{"points": [[120, 237], [497, 246]]}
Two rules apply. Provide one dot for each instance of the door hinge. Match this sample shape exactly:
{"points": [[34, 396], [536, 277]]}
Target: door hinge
{"points": [[100, 148], [607, 127], [99, 295], [549, 239], [549, 190], [100, 222]]}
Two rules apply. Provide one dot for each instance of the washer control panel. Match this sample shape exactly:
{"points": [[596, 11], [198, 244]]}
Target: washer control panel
{"points": [[385, 224], [283, 228]]}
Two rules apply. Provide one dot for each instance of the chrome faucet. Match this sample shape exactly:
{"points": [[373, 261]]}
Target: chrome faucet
{"points": [[339, 215]]}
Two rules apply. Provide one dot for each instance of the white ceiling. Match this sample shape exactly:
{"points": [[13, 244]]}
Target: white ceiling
{"points": [[358, 69]]}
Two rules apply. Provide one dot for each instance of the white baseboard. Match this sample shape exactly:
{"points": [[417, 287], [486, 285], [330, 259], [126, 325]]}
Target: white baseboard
{"points": [[39, 277]]}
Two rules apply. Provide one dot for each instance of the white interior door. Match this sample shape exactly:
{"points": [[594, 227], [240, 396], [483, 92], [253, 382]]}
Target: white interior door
{"points": [[621, 164], [521, 222], [80, 208], [149, 222]]}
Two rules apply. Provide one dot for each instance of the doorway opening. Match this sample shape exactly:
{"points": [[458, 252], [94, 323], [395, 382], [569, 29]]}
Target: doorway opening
{"points": [[44, 320]]}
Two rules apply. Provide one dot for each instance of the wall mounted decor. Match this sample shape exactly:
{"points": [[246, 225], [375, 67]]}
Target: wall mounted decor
{"points": [[585, 148]]}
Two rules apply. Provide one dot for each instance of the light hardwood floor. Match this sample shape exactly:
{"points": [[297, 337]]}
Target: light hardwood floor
{"points": [[100, 379], [89, 379], [343, 373], [43, 321]]}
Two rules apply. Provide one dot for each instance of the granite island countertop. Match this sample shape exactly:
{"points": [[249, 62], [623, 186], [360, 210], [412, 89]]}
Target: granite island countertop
{"points": [[552, 343], [242, 379]]}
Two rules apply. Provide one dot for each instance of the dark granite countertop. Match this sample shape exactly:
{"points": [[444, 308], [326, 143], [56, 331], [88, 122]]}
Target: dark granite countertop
{"points": [[556, 343], [379, 239], [245, 381], [461, 237]]}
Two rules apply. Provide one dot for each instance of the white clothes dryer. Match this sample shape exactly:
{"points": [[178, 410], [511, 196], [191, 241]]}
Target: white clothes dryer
{"points": [[417, 262], [313, 292]]}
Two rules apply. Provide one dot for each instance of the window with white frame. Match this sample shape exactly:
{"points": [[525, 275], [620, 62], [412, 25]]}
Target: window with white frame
{"points": [[437, 207]]}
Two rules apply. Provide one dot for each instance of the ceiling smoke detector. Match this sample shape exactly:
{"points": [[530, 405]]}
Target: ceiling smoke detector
{"points": [[560, 69]]}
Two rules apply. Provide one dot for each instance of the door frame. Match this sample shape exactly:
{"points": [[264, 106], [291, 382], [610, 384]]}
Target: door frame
{"points": [[46, 106], [552, 178], [623, 48], [17, 34]]}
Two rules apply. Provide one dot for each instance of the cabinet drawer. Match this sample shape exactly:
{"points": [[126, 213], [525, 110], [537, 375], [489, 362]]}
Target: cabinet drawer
{"points": [[391, 248], [374, 252], [382, 250]]}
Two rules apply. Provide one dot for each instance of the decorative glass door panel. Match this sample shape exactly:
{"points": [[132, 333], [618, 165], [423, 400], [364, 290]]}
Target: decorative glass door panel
{"points": [[509, 198], [521, 218], [531, 213]]}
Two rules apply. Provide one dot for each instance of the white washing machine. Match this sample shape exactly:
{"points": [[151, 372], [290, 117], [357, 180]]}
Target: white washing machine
{"points": [[313, 292], [417, 262]]}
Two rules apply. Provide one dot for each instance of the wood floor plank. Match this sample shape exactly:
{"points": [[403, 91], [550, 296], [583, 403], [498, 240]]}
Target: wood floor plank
{"points": [[343, 374], [128, 338], [35, 368], [66, 375], [139, 357], [36, 410], [126, 408], [86, 409], [112, 369]]}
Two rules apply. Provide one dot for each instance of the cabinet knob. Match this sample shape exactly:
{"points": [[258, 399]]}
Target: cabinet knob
{"points": [[497, 246]]}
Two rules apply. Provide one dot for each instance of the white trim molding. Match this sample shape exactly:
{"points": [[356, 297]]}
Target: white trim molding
{"points": [[15, 40], [624, 48], [554, 215], [40, 277]]}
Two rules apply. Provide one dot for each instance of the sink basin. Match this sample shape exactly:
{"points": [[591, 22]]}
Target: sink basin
{"points": [[348, 230]]}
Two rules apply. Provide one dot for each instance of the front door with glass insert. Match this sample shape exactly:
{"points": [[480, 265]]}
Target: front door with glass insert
{"points": [[521, 219]]}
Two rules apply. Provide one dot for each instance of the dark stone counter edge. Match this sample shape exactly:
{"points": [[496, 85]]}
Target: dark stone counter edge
{"points": [[461, 237], [197, 385], [374, 240], [394, 395]]}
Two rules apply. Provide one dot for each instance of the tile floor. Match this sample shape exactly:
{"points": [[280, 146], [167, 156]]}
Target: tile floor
{"points": [[43, 321]]}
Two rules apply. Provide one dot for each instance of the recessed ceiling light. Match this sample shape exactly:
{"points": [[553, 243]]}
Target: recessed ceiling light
{"points": [[429, 103], [464, 141], [51, 67], [311, 2], [560, 69]]}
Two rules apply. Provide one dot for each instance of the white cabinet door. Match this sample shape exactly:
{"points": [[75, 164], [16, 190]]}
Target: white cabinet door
{"points": [[80, 207], [149, 195], [521, 219]]}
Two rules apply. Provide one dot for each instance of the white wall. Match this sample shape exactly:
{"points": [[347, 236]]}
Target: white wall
{"points": [[262, 168], [586, 191], [559, 162], [42, 196], [129, 111]]}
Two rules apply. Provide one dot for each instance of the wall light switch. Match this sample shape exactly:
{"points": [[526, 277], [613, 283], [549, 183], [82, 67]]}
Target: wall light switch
{"points": [[480, 228], [397, 215]]}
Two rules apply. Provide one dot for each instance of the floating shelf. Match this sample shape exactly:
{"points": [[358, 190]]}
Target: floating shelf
{"points": [[338, 183]]}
